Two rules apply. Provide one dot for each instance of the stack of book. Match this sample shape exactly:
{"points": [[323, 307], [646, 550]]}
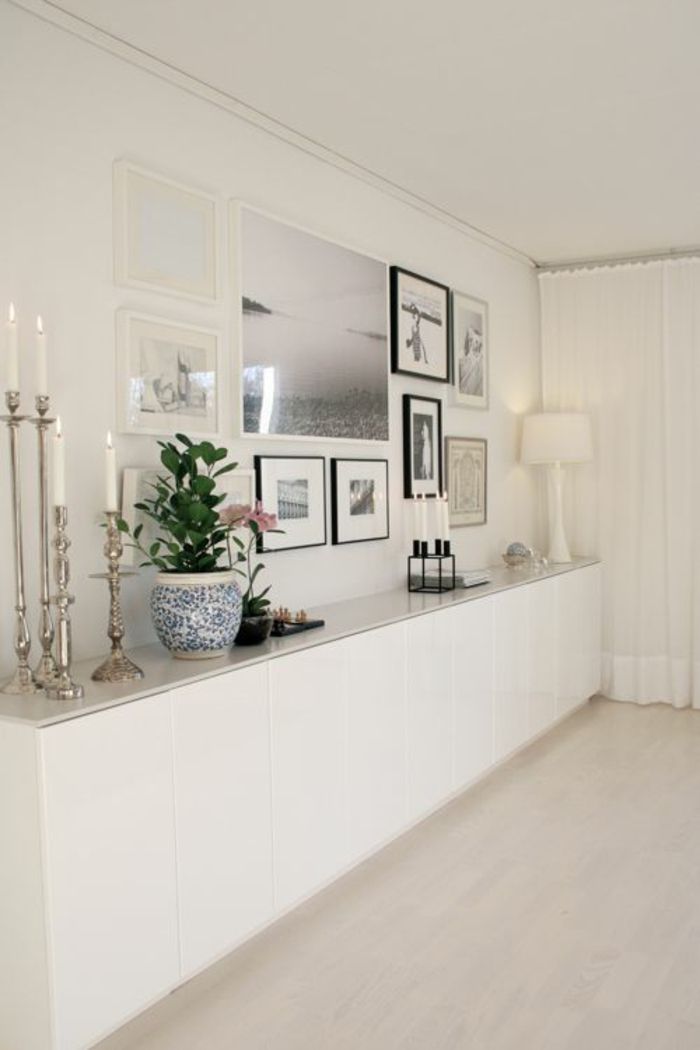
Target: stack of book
{"points": [[463, 577]]}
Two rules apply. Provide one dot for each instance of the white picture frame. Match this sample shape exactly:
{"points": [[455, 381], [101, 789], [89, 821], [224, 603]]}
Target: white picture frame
{"points": [[359, 500], [471, 351], [294, 489], [329, 299], [165, 235], [137, 482], [168, 376]]}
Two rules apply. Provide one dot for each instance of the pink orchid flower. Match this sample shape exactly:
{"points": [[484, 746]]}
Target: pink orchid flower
{"points": [[262, 519], [235, 514]]}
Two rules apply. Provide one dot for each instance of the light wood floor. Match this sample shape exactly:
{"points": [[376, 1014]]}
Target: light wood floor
{"points": [[556, 906]]}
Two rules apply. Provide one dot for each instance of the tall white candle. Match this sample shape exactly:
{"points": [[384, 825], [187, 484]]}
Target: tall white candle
{"points": [[416, 519], [110, 475], [423, 517], [12, 355], [59, 468], [42, 370], [445, 518]]}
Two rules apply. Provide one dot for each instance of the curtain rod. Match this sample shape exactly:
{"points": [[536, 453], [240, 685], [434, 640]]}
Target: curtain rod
{"points": [[620, 260]]}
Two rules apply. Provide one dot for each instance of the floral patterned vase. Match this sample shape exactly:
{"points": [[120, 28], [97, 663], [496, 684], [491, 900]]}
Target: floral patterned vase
{"points": [[196, 615]]}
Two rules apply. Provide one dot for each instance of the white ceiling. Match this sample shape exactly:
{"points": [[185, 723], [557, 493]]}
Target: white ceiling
{"points": [[565, 128]]}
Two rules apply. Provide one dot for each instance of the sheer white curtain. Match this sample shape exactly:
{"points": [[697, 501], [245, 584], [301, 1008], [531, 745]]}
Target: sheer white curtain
{"points": [[623, 343]]}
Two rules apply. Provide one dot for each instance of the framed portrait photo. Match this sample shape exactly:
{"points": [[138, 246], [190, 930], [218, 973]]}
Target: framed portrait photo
{"points": [[313, 333], [164, 235], [167, 376], [293, 488], [470, 351], [359, 500], [420, 326], [422, 446], [466, 480]]}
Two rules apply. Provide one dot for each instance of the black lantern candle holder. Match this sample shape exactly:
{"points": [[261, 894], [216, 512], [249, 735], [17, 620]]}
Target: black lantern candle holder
{"points": [[431, 573]]}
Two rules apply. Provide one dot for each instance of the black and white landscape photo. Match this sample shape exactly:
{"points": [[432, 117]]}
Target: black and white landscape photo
{"points": [[314, 335], [362, 499]]}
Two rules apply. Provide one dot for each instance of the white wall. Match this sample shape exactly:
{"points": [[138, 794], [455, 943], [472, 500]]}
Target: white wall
{"points": [[67, 110]]}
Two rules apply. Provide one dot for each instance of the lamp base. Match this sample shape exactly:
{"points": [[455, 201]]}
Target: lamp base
{"points": [[559, 553]]}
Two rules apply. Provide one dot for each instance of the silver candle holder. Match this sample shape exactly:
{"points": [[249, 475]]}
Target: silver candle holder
{"points": [[117, 667], [45, 671], [62, 686], [23, 680]]}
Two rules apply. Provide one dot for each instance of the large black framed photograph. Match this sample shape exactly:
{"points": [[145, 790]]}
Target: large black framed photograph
{"points": [[293, 488], [359, 500], [422, 446], [465, 465], [313, 334], [420, 326]]}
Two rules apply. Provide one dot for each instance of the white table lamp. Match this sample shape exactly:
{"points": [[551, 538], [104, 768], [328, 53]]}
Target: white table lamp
{"points": [[553, 438]]}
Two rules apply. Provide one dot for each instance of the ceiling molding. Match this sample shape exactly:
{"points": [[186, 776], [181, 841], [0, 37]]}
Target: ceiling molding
{"points": [[640, 259], [51, 12]]}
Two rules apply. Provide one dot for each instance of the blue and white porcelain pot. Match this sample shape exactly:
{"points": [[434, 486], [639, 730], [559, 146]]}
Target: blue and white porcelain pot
{"points": [[196, 615]]}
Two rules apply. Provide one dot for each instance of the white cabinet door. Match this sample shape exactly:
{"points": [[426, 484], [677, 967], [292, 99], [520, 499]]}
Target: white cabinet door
{"points": [[579, 636], [543, 652], [221, 738], [376, 737], [110, 859], [429, 711], [511, 668], [308, 694], [472, 689]]}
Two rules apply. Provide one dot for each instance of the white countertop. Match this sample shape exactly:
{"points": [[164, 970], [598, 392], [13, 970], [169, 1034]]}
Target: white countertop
{"points": [[343, 619]]}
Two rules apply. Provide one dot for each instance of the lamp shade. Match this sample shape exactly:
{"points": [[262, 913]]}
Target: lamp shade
{"points": [[556, 437]]}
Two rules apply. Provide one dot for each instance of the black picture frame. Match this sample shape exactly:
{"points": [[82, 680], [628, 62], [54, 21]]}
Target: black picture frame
{"points": [[398, 362], [260, 462], [338, 527], [410, 488]]}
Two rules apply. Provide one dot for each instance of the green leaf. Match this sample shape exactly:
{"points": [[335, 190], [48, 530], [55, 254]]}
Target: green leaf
{"points": [[203, 485], [122, 525], [138, 530], [184, 440], [153, 549], [207, 452], [171, 460], [224, 470]]}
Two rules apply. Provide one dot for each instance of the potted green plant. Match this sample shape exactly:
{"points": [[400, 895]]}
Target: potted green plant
{"points": [[196, 603], [256, 621]]}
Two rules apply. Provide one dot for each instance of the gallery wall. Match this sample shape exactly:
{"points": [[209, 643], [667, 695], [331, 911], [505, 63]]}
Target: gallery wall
{"points": [[68, 110]]}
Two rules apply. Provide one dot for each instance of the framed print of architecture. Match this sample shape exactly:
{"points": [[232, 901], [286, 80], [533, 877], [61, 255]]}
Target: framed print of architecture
{"points": [[420, 325], [470, 351], [422, 446], [359, 500], [466, 467], [293, 488], [167, 376], [313, 334], [165, 235]]}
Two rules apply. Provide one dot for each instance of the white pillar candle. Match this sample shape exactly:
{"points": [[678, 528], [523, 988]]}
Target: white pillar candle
{"points": [[445, 518], [416, 519], [42, 371], [59, 468], [110, 475], [12, 355], [423, 517]]}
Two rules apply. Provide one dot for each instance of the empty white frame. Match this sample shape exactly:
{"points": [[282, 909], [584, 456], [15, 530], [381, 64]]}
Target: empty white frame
{"points": [[168, 376], [165, 235]]}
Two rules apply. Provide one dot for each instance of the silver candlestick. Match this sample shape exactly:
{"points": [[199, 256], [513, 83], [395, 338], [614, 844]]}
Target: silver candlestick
{"points": [[117, 667], [46, 668], [62, 686], [23, 680]]}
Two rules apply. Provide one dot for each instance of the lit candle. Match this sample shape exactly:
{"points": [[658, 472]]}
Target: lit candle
{"points": [[59, 468], [445, 517], [42, 371], [423, 517], [110, 475], [12, 356]]}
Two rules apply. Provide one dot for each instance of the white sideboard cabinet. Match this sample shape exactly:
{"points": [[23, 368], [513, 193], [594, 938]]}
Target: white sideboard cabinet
{"points": [[146, 834]]}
